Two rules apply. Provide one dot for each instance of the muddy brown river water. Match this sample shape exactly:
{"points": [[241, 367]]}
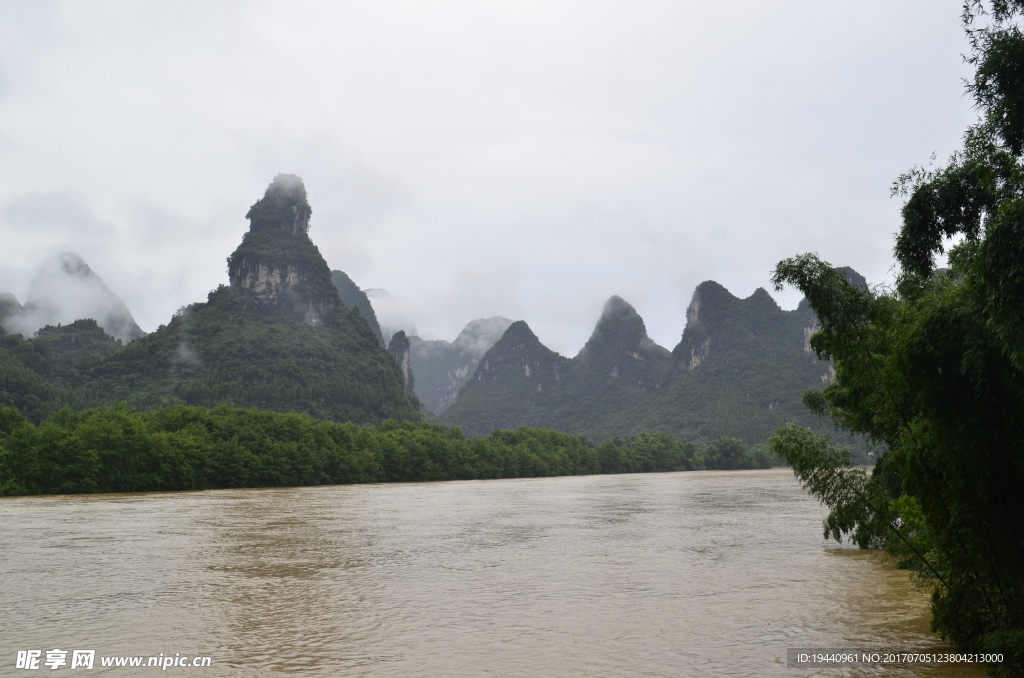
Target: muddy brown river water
{"points": [[676, 574]]}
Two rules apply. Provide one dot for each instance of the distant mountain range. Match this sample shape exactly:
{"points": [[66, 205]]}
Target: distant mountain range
{"points": [[289, 334], [739, 370]]}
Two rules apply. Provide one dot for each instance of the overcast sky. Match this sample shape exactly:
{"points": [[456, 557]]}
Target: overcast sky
{"points": [[524, 159]]}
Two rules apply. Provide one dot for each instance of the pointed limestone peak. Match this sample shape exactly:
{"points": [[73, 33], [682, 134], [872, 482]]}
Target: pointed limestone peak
{"points": [[620, 328], [277, 263], [284, 207], [712, 304], [619, 348], [517, 333], [617, 306], [64, 290], [519, 354], [618, 312], [762, 298], [519, 341], [481, 334], [706, 294]]}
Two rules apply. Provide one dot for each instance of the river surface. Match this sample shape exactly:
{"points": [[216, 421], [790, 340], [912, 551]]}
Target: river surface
{"points": [[674, 574]]}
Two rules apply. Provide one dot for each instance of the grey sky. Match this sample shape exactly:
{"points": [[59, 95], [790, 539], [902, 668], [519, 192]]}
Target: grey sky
{"points": [[523, 159]]}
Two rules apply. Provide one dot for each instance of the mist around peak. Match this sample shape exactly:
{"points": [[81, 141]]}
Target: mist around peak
{"points": [[479, 335], [276, 338], [739, 370], [394, 313], [442, 367], [616, 305], [64, 290], [620, 329]]}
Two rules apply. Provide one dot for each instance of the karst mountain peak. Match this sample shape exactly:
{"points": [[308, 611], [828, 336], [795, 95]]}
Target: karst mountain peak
{"points": [[277, 263]]}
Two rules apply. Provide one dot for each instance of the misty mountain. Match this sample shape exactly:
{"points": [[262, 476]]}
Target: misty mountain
{"points": [[739, 370], [65, 290], [392, 313], [442, 367], [278, 337], [516, 381], [353, 297], [520, 380]]}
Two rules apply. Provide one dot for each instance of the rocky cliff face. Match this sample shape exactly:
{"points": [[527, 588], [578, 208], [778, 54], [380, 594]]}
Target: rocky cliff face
{"points": [[399, 348], [64, 290], [277, 264]]}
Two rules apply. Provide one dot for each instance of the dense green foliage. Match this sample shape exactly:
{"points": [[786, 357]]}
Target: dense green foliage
{"points": [[933, 370], [738, 371], [228, 351], [34, 374], [118, 449], [224, 351], [21, 387]]}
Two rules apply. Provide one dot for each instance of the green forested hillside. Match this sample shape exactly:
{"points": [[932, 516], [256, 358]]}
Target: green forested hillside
{"points": [[511, 387], [228, 352], [21, 387], [740, 370], [35, 374], [277, 338], [616, 372]]}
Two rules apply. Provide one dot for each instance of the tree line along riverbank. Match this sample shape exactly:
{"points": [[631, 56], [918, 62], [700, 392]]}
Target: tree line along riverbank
{"points": [[118, 449]]}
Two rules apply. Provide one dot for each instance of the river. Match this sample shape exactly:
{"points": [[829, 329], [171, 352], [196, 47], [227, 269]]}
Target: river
{"points": [[674, 574]]}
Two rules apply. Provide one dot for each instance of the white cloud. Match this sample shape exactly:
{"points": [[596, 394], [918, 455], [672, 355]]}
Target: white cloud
{"points": [[541, 155]]}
